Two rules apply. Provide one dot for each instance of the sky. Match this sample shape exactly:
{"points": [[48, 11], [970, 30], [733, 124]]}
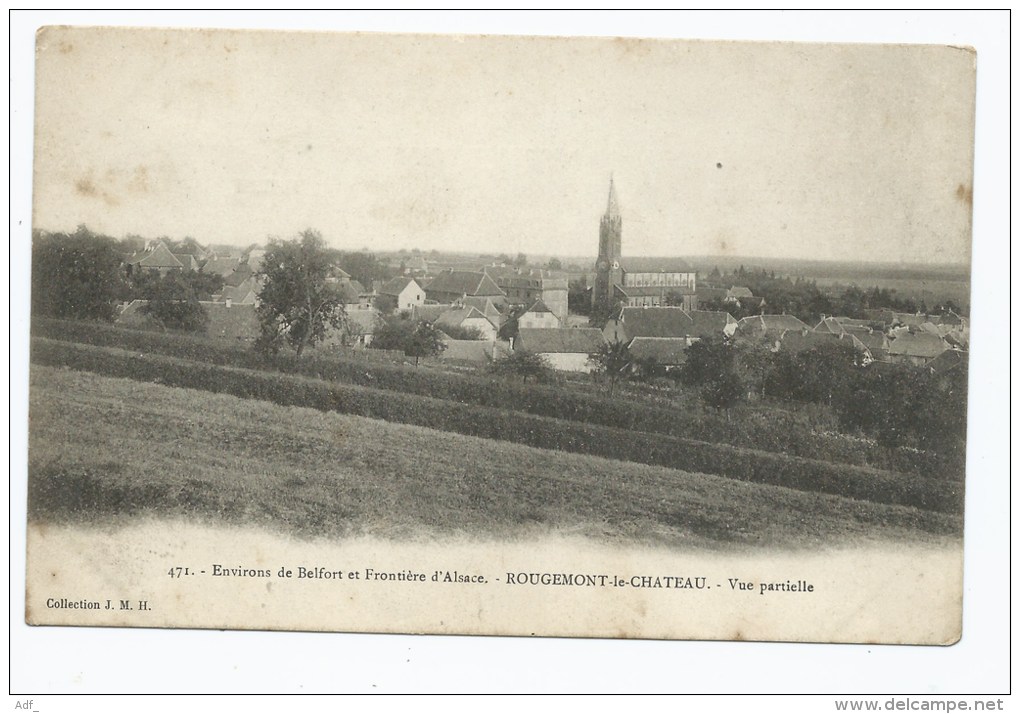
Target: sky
{"points": [[507, 144]]}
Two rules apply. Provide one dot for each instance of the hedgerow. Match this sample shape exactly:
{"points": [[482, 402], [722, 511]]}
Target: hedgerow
{"points": [[492, 423], [774, 431]]}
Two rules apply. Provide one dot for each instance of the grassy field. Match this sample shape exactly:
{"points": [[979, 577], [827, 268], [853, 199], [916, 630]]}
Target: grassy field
{"points": [[104, 448]]}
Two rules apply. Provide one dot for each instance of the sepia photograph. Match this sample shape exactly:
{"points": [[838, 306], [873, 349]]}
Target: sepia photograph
{"points": [[477, 334]]}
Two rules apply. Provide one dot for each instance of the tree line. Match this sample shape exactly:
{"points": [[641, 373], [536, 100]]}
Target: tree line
{"points": [[896, 404]]}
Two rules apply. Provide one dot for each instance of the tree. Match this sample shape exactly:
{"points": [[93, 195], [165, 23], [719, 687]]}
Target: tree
{"points": [[707, 360], [364, 267], [578, 298], [521, 260], [601, 315], [612, 360], [554, 264], [522, 363], [76, 276], [300, 297], [425, 341], [393, 334], [174, 305], [724, 392]]}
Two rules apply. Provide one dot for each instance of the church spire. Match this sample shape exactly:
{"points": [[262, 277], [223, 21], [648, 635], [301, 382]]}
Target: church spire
{"points": [[612, 207]]}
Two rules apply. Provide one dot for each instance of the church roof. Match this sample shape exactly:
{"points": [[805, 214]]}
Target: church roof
{"points": [[655, 265]]}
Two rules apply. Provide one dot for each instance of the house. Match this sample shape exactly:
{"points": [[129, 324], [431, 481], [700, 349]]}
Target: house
{"points": [[743, 297], [232, 323], [633, 322], [157, 260], [220, 266], [361, 326], [229, 322], [538, 316], [241, 273], [428, 313], [667, 352], [255, 256], [451, 285], [131, 315], [476, 351], [354, 295], [711, 323], [401, 294], [187, 261], [770, 327], [526, 288], [485, 306], [876, 342], [918, 348], [794, 341], [829, 325], [565, 348], [708, 294], [949, 362], [244, 294], [467, 318]]}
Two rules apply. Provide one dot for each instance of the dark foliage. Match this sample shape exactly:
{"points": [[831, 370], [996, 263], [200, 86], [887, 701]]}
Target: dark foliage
{"points": [[174, 305], [300, 297], [524, 364], [76, 276]]}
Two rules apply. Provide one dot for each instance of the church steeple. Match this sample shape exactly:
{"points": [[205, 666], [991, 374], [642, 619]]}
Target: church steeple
{"points": [[613, 206], [608, 273]]}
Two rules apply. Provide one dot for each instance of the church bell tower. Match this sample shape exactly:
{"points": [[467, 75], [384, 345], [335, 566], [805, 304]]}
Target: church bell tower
{"points": [[607, 267]]}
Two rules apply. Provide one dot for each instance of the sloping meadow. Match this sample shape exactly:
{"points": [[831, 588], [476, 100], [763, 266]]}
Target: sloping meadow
{"points": [[773, 431], [499, 424]]}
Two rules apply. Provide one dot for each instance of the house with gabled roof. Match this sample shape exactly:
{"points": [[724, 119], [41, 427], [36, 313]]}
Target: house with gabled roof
{"points": [[243, 294], [631, 322], [671, 322], [917, 348], [428, 313], [538, 316], [402, 294], [771, 327], [157, 260], [711, 323], [667, 352], [795, 341], [565, 348], [451, 285], [221, 266], [485, 306], [467, 318], [949, 362], [361, 326]]}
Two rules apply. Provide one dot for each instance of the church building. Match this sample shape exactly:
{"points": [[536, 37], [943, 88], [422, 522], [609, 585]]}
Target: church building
{"points": [[636, 282]]}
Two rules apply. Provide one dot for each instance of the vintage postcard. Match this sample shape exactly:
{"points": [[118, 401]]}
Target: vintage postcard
{"points": [[580, 337]]}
